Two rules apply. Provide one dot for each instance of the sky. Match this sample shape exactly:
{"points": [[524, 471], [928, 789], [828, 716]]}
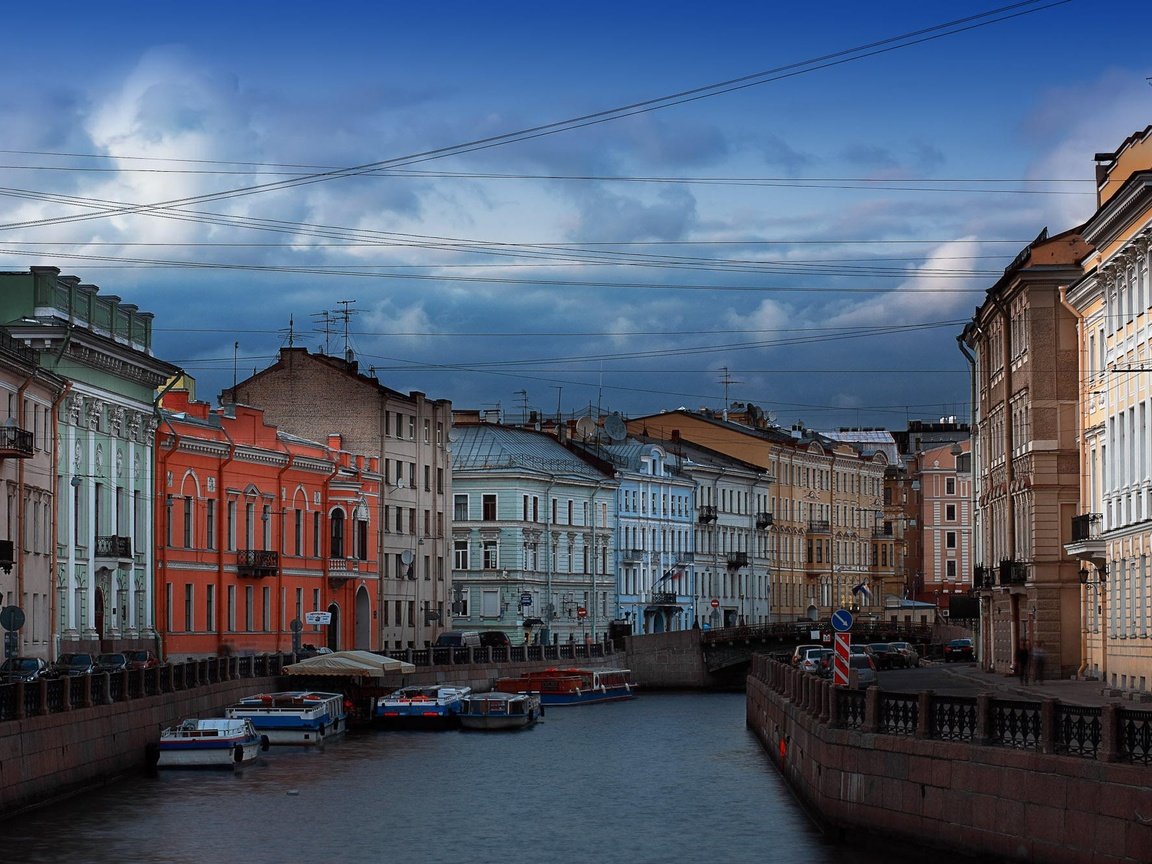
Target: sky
{"points": [[567, 208]]}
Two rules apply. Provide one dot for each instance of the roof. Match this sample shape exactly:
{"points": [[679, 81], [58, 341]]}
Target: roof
{"points": [[349, 663], [489, 447]]}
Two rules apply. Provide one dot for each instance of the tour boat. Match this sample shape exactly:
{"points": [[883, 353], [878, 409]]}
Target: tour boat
{"points": [[498, 710], [217, 741], [572, 686], [421, 705], [293, 716]]}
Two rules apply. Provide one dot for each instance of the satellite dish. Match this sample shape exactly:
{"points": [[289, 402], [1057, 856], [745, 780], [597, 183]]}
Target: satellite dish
{"points": [[451, 433], [586, 428], [770, 416], [614, 426], [406, 556]]}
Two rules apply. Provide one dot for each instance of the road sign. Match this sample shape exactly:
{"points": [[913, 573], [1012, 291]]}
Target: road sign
{"points": [[841, 620], [581, 612], [317, 617], [11, 617], [715, 603], [843, 651], [525, 599]]}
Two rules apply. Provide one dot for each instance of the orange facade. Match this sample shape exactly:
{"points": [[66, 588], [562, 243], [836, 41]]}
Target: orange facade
{"points": [[255, 529]]}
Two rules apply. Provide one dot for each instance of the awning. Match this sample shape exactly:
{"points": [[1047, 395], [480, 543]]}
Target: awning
{"points": [[361, 663]]}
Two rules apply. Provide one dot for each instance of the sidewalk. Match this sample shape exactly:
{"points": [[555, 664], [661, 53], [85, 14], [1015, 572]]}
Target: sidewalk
{"points": [[1073, 692]]}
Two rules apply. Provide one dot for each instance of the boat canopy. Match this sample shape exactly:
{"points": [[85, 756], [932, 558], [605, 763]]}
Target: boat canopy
{"points": [[361, 663]]}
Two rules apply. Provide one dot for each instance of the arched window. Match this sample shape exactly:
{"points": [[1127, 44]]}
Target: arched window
{"points": [[337, 522]]}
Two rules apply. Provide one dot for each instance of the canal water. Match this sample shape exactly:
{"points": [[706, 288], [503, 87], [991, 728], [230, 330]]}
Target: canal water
{"points": [[662, 778]]}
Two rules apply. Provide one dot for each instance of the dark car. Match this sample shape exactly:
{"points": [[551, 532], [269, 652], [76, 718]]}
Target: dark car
{"points": [[865, 669], [73, 664], [886, 656], [23, 669], [141, 659], [115, 662], [494, 639], [911, 655], [959, 651]]}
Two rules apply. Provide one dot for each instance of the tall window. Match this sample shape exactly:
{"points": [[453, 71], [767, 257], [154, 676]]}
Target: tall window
{"points": [[210, 523], [187, 521], [231, 608], [266, 522], [298, 532], [316, 535], [950, 539], [189, 601], [231, 526], [337, 533], [460, 507], [210, 608], [950, 512], [249, 525], [460, 549], [362, 539], [949, 485], [491, 555], [489, 507]]}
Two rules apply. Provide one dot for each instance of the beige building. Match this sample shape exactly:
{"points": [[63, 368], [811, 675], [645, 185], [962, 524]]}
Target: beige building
{"points": [[315, 395], [817, 528], [1111, 533], [1025, 459], [945, 517]]}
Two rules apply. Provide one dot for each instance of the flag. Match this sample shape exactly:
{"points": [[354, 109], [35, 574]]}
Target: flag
{"points": [[863, 590]]}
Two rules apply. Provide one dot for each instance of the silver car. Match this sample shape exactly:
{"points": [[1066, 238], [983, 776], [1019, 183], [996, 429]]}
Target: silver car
{"points": [[865, 669]]}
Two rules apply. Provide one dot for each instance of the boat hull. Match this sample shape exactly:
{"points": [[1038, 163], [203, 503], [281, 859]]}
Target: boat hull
{"points": [[211, 743], [426, 707], [294, 717], [220, 756], [500, 711], [573, 686]]}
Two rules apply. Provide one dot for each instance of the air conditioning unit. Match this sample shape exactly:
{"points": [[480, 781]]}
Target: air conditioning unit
{"points": [[943, 613]]}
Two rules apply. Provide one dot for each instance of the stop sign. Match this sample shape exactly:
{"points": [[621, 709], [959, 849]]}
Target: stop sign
{"points": [[715, 603], [581, 612]]}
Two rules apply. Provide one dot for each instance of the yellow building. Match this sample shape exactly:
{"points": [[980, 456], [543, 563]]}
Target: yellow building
{"points": [[1112, 532]]}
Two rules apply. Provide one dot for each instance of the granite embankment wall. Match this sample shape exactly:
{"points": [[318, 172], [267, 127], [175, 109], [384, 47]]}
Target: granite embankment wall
{"points": [[997, 793], [667, 661]]}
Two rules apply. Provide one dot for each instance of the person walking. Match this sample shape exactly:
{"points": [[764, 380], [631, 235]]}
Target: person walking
{"points": [[1022, 658]]}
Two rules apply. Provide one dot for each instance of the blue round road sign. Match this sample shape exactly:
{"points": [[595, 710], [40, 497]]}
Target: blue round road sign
{"points": [[841, 620]]}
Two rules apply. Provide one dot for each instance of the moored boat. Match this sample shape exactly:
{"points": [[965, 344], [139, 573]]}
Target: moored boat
{"points": [[497, 710], [421, 706], [293, 716], [561, 686], [222, 742]]}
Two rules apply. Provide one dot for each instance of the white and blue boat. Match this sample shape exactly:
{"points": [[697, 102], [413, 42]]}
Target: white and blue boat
{"points": [[220, 742], [430, 706], [293, 716]]}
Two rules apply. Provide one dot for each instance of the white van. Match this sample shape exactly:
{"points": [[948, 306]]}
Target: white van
{"points": [[458, 639]]}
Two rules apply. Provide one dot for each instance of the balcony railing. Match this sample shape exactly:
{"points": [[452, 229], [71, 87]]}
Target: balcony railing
{"points": [[763, 520], [819, 526], [15, 443], [1086, 526], [736, 560], [632, 555], [340, 570], [882, 532], [257, 563], [663, 598], [1012, 573], [706, 513], [114, 547]]}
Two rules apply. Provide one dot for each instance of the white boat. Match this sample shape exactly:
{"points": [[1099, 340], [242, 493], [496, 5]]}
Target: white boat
{"points": [[218, 741], [293, 716], [497, 710], [421, 706]]}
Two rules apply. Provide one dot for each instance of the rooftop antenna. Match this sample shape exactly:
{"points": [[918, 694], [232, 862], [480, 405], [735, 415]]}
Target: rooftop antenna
{"points": [[325, 320], [523, 395], [291, 331], [235, 363], [726, 380], [559, 390], [345, 315]]}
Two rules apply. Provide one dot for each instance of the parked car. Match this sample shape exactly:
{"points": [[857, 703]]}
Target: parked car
{"points": [[865, 670], [860, 649], [800, 651], [458, 639], [141, 659], [494, 639], [959, 651], [67, 665], [810, 659], [23, 669], [115, 662], [911, 655], [887, 657], [824, 663]]}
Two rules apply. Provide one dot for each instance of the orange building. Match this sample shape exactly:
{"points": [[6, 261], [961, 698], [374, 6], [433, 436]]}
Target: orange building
{"points": [[255, 529]]}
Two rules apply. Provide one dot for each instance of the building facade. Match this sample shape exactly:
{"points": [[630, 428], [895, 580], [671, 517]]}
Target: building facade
{"points": [[533, 534], [1110, 534], [30, 396], [255, 530], [314, 395], [1022, 348], [945, 518], [104, 433]]}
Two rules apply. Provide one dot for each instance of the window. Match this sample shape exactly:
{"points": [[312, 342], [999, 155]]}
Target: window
{"points": [[316, 534], [266, 521], [231, 608], [491, 555], [460, 507], [231, 525], [249, 524], [337, 534], [489, 604], [950, 569], [210, 608], [949, 485], [489, 507], [189, 601], [298, 532], [950, 540], [362, 539], [950, 512], [210, 524], [460, 551]]}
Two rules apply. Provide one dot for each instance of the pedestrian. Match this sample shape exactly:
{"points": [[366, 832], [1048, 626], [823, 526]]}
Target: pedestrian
{"points": [[1022, 658], [1038, 657]]}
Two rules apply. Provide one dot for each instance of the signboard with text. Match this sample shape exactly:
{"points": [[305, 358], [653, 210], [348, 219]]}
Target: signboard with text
{"points": [[317, 617]]}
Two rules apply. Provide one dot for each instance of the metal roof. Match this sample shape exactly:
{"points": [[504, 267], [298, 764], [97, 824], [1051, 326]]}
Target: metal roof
{"points": [[485, 447]]}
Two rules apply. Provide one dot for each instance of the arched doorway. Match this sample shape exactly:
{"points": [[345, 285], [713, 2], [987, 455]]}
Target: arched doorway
{"points": [[363, 619], [334, 627]]}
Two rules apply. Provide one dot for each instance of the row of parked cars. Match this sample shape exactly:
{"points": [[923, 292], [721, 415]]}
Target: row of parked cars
{"points": [[67, 665], [866, 660]]}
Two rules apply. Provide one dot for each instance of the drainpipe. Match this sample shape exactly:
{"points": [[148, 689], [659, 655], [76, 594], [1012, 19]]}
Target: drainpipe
{"points": [[987, 642]]}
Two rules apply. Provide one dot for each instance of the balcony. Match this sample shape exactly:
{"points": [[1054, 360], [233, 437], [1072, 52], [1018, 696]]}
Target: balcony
{"points": [[1086, 542], [257, 563], [1011, 573], [763, 520], [112, 546], [819, 526], [15, 443], [706, 514], [883, 532], [736, 560], [632, 556], [685, 557], [7, 555], [663, 598], [340, 570]]}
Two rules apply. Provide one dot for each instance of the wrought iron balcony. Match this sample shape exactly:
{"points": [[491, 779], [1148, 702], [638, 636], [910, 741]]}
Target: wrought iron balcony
{"points": [[257, 563], [819, 526], [736, 560], [1012, 572], [16, 443], [664, 598], [763, 520], [706, 513], [114, 547], [685, 557], [1086, 526], [632, 556], [7, 555], [882, 532]]}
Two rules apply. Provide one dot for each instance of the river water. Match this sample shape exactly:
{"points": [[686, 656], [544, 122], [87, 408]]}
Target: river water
{"points": [[662, 778]]}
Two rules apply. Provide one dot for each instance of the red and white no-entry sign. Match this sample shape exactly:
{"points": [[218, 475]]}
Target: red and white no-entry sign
{"points": [[715, 603]]}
